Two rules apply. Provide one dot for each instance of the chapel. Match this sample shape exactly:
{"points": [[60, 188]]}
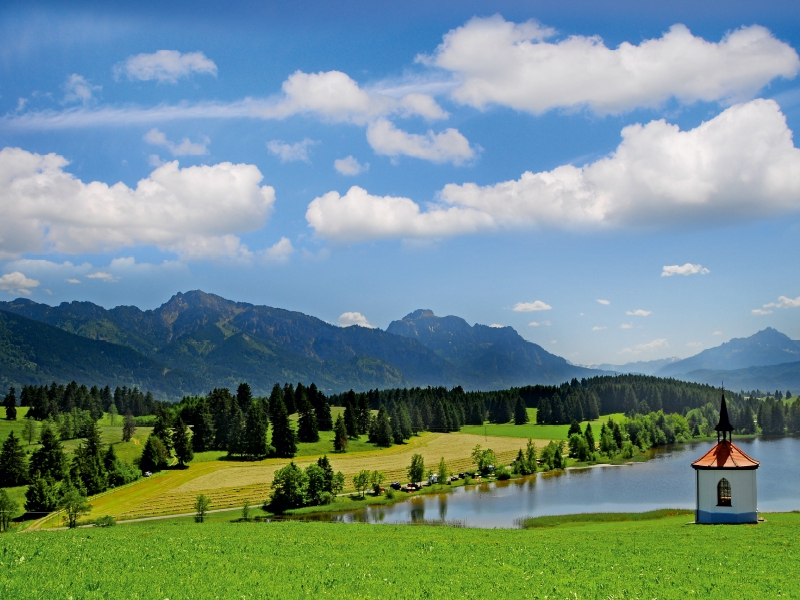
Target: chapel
{"points": [[725, 479]]}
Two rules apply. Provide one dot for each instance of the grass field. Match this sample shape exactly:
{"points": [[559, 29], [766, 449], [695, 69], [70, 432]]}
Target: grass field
{"points": [[663, 558], [532, 430]]}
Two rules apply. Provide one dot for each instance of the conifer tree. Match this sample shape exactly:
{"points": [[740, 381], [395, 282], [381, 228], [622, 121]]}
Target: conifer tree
{"points": [[256, 432], [350, 421], [13, 466], [203, 432], [154, 455], [10, 403], [87, 464], [340, 435], [42, 495], [307, 423], [182, 442], [383, 429], [520, 412], [289, 399], [49, 459], [324, 464], [589, 435], [244, 396], [324, 418], [284, 439], [162, 428], [236, 431], [363, 414], [219, 404]]}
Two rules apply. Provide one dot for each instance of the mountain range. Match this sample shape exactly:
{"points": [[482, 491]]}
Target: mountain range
{"points": [[196, 341]]}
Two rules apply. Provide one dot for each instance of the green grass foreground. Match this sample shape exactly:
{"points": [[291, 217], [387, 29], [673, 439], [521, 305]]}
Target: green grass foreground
{"points": [[652, 558]]}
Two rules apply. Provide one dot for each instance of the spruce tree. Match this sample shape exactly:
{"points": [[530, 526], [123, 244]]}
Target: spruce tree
{"points": [[203, 433], [244, 396], [219, 404], [324, 464], [182, 443], [350, 421], [154, 455], [340, 435], [256, 432], [589, 435], [520, 412], [383, 433], [289, 399], [48, 460], [236, 431], [42, 495], [324, 418], [10, 403], [13, 466], [88, 466], [307, 423], [574, 428], [284, 439], [163, 428]]}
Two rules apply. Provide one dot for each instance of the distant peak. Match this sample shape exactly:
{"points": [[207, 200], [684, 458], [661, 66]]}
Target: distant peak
{"points": [[420, 312]]}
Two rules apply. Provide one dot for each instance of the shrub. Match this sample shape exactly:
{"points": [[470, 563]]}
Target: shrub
{"points": [[107, 521]]}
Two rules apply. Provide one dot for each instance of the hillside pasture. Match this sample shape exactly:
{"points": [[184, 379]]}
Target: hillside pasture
{"points": [[532, 430], [229, 483]]}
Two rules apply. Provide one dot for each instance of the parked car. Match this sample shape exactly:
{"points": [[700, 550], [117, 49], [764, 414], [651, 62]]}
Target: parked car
{"points": [[147, 474], [395, 485]]}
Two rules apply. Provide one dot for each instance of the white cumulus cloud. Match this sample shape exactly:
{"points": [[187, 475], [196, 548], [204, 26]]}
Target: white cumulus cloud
{"points": [[531, 306], [638, 313], [349, 166], [626, 326], [279, 252], [17, 282], [597, 328], [291, 152], [784, 302], [498, 62], [354, 318], [185, 148], [687, 269], [165, 66], [73, 280], [359, 216], [603, 302], [447, 146], [539, 323], [761, 311], [194, 211], [739, 166]]}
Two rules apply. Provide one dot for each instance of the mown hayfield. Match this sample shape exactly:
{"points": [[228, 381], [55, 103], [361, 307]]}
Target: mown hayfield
{"points": [[663, 558], [230, 483], [532, 430]]}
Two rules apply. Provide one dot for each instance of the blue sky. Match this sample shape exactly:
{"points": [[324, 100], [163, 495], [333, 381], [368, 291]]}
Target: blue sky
{"points": [[510, 163]]}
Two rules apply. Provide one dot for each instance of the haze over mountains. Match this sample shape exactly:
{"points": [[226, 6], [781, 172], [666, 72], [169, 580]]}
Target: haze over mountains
{"points": [[204, 340], [197, 341]]}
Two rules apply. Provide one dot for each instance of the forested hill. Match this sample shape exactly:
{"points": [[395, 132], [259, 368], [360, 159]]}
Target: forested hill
{"points": [[36, 353], [498, 355], [222, 343]]}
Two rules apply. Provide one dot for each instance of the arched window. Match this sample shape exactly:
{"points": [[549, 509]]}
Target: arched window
{"points": [[723, 493]]}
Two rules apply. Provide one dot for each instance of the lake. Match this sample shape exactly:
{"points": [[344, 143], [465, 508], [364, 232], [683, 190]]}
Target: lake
{"points": [[666, 481]]}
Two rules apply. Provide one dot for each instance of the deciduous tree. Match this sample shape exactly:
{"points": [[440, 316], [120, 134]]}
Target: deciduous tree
{"points": [[340, 435], [128, 427], [8, 508], [288, 488], [74, 505], [416, 471], [201, 506]]}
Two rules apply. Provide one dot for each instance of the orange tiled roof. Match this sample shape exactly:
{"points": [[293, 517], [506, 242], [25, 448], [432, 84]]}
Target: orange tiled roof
{"points": [[725, 455]]}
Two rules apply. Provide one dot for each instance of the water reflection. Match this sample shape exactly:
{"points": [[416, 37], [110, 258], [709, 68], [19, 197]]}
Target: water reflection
{"points": [[666, 481]]}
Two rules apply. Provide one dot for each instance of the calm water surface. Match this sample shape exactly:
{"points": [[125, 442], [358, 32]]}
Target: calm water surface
{"points": [[666, 481]]}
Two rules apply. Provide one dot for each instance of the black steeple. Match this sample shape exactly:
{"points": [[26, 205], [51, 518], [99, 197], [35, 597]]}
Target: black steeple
{"points": [[724, 426]]}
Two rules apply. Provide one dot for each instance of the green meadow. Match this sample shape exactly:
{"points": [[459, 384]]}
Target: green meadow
{"points": [[660, 558], [537, 432]]}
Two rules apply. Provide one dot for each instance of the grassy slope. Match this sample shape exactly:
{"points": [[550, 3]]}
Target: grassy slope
{"points": [[662, 558], [531, 430]]}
